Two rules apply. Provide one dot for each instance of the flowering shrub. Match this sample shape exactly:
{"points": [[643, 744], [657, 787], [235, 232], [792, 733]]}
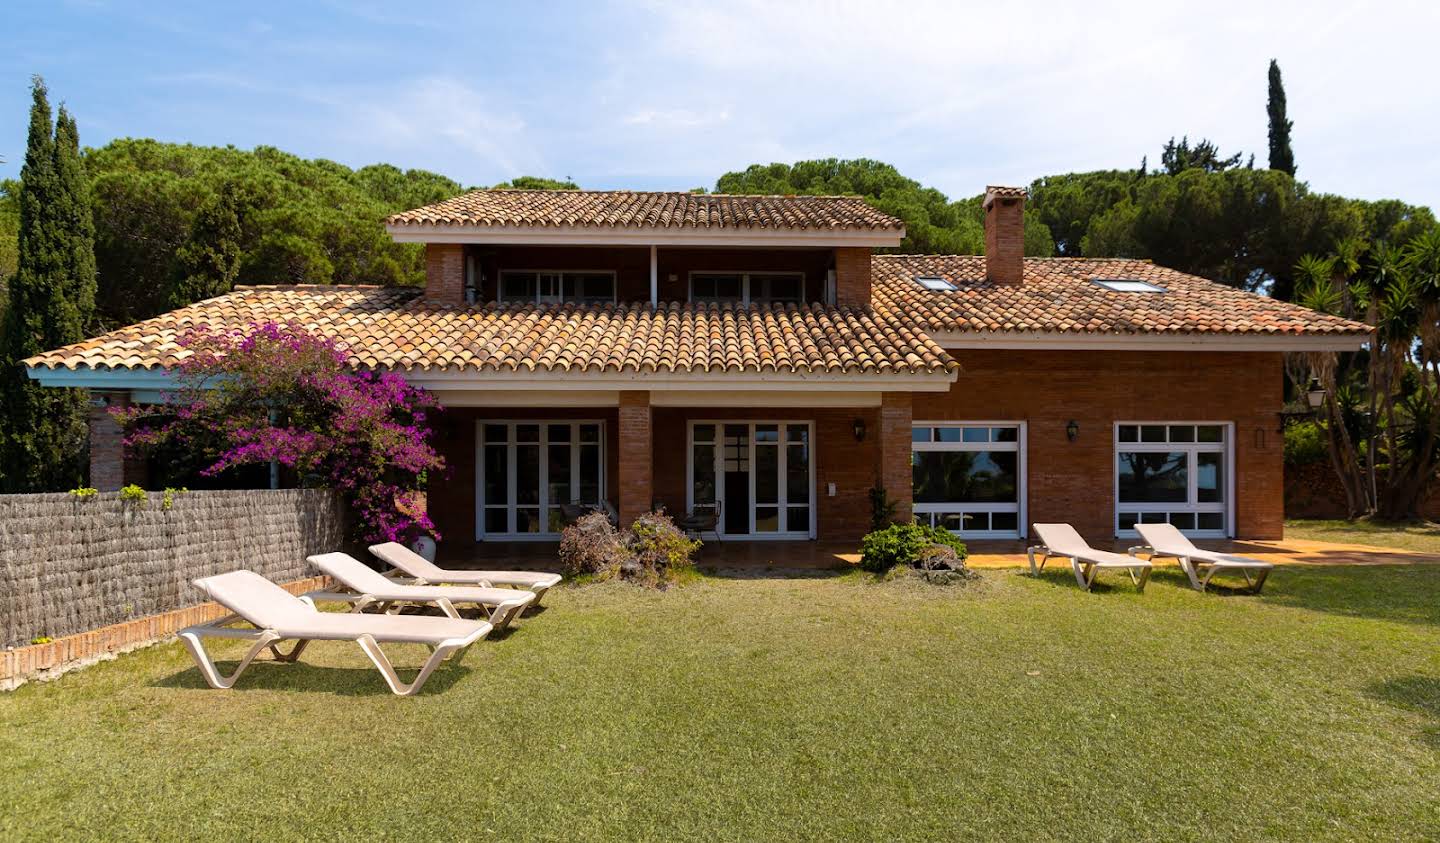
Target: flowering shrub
{"points": [[275, 392], [592, 545]]}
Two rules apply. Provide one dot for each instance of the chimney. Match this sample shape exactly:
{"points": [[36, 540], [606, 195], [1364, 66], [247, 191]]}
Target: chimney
{"points": [[1004, 234]]}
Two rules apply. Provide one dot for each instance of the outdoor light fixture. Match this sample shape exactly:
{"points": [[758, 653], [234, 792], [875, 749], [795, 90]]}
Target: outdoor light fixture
{"points": [[1072, 430], [859, 428], [1314, 397]]}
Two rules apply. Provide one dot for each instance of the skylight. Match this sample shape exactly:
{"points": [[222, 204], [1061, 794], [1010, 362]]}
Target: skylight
{"points": [[931, 282], [1127, 285]]}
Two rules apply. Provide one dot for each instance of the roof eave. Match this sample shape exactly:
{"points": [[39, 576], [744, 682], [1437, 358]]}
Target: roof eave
{"points": [[1157, 341], [644, 235]]}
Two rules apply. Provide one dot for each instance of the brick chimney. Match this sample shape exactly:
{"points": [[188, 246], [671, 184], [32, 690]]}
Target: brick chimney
{"points": [[1004, 234]]}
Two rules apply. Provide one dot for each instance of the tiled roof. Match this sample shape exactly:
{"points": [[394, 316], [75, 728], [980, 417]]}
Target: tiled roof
{"points": [[394, 328], [629, 209], [999, 192], [1059, 295]]}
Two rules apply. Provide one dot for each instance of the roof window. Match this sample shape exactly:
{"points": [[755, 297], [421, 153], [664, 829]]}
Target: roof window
{"points": [[931, 282], [1127, 285]]}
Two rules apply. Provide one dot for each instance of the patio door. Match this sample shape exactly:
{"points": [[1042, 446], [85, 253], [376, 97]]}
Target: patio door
{"points": [[760, 474], [534, 477]]}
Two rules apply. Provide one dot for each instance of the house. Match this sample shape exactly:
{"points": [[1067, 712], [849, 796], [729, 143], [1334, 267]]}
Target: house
{"points": [[755, 353]]}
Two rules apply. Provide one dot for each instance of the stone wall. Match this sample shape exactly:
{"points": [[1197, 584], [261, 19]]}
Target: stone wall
{"points": [[69, 565]]}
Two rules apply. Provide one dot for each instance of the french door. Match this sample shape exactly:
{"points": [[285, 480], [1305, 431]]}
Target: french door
{"points": [[534, 477], [761, 475]]}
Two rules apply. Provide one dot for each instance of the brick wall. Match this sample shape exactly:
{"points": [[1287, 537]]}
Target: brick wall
{"points": [[1005, 240], [852, 277], [107, 446], [636, 487], [896, 413], [445, 273], [1074, 481]]}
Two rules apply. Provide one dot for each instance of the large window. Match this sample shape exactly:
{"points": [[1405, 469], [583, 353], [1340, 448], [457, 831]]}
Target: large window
{"points": [[534, 477], [528, 287], [1173, 473], [747, 287], [969, 478]]}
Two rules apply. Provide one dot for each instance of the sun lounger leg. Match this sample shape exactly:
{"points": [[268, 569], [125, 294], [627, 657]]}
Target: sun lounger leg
{"points": [[293, 655], [1259, 580], [1144, 579], [387, 670], [1044, 557], [212, 675], [1084, 573]]}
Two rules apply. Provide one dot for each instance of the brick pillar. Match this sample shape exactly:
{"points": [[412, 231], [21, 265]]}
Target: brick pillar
{"points": [[636, 469], [107, 446], [895, 471], [852, 276], [445, 273]]}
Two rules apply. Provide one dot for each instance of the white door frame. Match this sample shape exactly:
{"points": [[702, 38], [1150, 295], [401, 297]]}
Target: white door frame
{"points": [[1227, 448], [543, 473], [1022, 491], [781, 486]]}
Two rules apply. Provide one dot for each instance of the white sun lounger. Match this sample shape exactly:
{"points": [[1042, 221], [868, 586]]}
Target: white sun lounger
{"points": [[277, 615], [426, 572], [1061, 540], [370, 587], [1165, 540]]}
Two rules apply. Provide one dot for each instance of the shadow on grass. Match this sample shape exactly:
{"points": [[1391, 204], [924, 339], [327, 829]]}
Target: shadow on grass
{"points": [[308, 678], [1403, 593], [775, 572], [1420, 694], [1112, 582]]}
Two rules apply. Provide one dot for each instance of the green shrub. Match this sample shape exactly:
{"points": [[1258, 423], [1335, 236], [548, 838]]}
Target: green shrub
{"points": [[660, 551], [135, 495], [904, 544], [1305, 444], [85, 492]]}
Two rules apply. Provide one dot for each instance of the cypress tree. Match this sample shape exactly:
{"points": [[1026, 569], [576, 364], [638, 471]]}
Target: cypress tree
{"points": [[44, 433], [1281, 156], [76, 219]]}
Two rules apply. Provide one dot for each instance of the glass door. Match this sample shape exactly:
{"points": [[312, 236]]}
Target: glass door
{"points": [[760, 475], [534, 477]]}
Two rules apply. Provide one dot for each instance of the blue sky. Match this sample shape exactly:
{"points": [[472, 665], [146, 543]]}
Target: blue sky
{"points": [[671, 95]]}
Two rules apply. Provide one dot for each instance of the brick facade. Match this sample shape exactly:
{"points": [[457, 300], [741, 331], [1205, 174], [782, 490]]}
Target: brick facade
{"points": [[1066, 481], [1075, 481], [445, 273], [852, 277], [636, 473], [1005, 240]]}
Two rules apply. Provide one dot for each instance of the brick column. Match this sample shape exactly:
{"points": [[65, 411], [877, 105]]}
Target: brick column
{"points": [[445, 273], [895, 471], [636, 468], [107, 445], [852, 276]]}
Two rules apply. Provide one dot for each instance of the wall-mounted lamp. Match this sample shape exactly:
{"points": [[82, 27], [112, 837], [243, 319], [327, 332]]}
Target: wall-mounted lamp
{"points": [[859, 428], [1314, 397], [1072, 430]]}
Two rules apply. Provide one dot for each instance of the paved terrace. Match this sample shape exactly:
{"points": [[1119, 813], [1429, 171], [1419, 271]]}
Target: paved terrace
{"points": [[753, 556]]}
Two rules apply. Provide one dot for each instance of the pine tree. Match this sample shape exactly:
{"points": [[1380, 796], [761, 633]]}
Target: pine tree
{"points": [[43, 438], [1281, 156], [209, 262]]}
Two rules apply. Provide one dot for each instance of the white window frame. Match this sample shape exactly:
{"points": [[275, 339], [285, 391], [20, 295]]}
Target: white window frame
{"points": [[1227, 447], [745, 293], [500, 282], [544, 474], [1020, 446], [808, 531]]}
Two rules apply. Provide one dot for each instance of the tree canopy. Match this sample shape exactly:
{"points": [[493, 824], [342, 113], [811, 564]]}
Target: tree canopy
{"points": [[1282, 158]]}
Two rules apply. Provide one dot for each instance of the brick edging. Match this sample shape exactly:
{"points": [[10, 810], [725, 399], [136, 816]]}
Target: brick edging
{"points": [[43, 662]]}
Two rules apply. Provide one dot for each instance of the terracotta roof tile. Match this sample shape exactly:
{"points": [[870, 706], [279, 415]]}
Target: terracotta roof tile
{"points": [[389, 328], [629, 209], [1059, 295]]}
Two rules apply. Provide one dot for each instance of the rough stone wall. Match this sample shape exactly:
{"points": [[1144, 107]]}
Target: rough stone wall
{"points": [[69, 565]]}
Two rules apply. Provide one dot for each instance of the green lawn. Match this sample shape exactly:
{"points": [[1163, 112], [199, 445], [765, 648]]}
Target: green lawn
{"points": [[808, 708], [1423, 537]]}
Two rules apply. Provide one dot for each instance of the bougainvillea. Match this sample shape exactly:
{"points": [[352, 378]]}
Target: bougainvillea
{"points": [[274, 392]]}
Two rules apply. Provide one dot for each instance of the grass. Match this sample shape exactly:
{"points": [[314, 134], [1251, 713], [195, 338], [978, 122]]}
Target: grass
{"points": [[807, 708], [1418, 536]]}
